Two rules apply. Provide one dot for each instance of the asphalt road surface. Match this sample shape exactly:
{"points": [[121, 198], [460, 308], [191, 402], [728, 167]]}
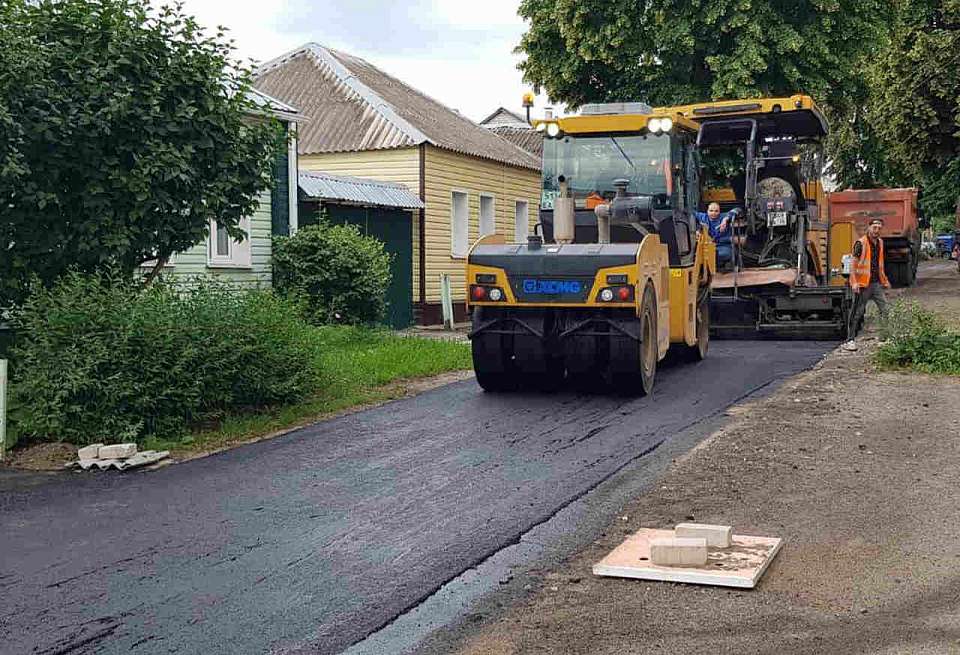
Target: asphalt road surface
{"points": [[312, 541]]}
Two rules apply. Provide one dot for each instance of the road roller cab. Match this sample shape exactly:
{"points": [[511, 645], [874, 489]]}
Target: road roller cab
{"points": [[619, 269]]}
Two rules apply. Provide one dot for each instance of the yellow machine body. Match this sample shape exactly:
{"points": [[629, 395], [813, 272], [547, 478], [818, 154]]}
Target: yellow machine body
{"points": [[676, 288], [781, 280], [598, 309]]}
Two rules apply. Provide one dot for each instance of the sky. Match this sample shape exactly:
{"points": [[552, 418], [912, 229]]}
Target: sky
{"points": [[456, 51]]}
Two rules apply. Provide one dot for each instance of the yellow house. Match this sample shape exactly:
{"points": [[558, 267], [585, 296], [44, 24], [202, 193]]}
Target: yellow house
{"points": [[361, 122]]}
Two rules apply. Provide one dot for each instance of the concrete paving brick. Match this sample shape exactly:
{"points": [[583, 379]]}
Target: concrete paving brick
{"points": [[89, 452], [678, 551], [118, 451], [717, 536]]}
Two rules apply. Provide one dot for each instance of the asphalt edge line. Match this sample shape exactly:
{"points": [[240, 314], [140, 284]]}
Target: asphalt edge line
{"points": [[356, 645]]}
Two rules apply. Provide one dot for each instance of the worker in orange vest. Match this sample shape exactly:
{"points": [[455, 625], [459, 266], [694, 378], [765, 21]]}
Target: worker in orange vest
{"points": [[868, 279]]}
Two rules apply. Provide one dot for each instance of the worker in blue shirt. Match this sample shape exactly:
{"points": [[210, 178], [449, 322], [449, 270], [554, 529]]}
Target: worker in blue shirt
{"points": [[719, 228]]}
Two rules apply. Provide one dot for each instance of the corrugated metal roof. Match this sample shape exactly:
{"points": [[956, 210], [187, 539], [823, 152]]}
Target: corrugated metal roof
{"points": [[522, 137], [323, 186], [352, 106]]}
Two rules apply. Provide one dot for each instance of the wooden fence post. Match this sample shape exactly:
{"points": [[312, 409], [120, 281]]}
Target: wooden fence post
{"points": [[446, 301]]}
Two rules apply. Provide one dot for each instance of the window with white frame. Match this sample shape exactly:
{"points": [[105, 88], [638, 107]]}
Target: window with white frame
{"points": [[488, 215], [459, 224], [521, 221], [224, 251]]}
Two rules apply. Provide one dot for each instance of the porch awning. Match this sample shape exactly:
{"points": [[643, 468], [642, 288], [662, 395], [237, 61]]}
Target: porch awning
{"points": [[323, 187]]}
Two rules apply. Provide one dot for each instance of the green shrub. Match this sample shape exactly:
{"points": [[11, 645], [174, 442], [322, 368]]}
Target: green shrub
{"points": [[916, 338], [99, 359], [338, 274]]}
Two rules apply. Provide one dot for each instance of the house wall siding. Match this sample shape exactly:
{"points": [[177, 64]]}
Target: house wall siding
{"points": [[193, 262], [400, 165], [446, 172]]}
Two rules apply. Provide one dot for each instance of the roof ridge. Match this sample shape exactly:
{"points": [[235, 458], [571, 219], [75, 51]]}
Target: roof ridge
{"points": [[420, 93], [322, 55], [388, 101], [455, 112]]}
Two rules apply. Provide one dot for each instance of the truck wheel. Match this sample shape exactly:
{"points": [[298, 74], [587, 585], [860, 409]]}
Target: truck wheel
{"points": [[898, 274], [699, 351], [914, 262]]}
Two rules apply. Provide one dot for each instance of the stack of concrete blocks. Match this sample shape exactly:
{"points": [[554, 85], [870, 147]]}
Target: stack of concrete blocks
{"points": [[689, 543], [113, 451], [120, 456]]}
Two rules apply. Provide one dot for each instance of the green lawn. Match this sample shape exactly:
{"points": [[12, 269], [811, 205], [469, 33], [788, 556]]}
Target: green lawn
{"points": [[357, 367]]}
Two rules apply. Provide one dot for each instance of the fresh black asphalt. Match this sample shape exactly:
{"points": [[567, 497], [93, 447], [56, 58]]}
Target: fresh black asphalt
{"points": [[314, 540]]}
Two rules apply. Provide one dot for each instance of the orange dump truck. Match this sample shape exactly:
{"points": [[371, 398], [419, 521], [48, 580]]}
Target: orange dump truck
{"points": [[901, 226]]}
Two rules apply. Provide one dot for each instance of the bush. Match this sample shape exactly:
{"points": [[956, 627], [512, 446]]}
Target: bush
{"points": [[338, 274], [916, 338], [99, 359]]}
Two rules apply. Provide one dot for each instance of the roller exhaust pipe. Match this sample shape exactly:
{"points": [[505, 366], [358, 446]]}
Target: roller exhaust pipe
{"points": [[563, 214]]}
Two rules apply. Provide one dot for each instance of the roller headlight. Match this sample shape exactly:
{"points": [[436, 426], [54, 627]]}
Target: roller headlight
{"points": [[666, 124], [495, 294], [553, 129], [606, 295], [541, 127], [654, 125]]}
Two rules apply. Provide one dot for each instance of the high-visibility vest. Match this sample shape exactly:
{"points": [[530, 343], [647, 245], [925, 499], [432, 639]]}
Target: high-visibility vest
{"points": [[860, 277]]}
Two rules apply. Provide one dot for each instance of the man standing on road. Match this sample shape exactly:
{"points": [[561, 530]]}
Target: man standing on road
{"points": [[868, 279], [719, 229]]}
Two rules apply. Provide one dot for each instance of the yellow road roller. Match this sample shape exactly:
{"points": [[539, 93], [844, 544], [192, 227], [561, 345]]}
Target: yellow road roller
{"points": [[618, 269]]}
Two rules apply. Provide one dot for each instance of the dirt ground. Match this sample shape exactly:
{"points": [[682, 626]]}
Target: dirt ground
{"points": [[41, 457], [939, 289], [858, 472]]}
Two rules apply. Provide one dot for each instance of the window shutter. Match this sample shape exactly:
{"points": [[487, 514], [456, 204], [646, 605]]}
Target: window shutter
{"points": [[280, 195]]}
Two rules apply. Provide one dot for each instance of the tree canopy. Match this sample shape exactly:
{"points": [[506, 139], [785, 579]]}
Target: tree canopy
{"points": [[914, 102], [676, 51], [885, 71], [124, 130]]}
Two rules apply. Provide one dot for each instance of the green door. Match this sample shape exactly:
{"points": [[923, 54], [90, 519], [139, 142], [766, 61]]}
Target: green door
{"points": [[392, 227]]}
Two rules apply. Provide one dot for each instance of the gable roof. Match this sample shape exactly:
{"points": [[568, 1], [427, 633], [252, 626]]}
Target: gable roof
{"points": [[352, 106], [503, 116]]}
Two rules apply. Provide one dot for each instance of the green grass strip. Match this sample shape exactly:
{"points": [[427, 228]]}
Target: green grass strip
{"points": [[358, 366]]}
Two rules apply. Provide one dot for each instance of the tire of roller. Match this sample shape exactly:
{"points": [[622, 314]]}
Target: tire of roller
{"points": [[636, 368], [491, 361], [698, 352]]}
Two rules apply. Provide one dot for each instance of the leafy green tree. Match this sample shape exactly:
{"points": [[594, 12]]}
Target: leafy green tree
{"points": [[124, 131], [676, 51], [914, 106]]}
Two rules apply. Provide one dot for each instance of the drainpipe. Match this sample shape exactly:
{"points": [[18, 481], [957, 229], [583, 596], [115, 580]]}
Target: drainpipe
{"points": [[422, 220], [293, 182]]}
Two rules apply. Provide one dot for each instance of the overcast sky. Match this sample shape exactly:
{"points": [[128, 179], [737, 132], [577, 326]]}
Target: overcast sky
{"points": [[457, 51]]}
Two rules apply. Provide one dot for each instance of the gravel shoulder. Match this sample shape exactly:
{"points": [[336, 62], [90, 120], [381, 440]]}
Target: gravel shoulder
{"points": [[857, 470]]}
